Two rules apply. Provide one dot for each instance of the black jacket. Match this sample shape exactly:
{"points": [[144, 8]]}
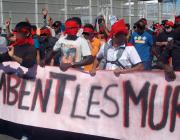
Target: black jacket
{"points": [[174, 52], [26, 52]]}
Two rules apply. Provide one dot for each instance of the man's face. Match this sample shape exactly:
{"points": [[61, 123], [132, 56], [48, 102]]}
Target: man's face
{"points": [[168, 29], [118, 40], [140, 27], [139, 30], [57, 29], [19, 36], [88, 36]]}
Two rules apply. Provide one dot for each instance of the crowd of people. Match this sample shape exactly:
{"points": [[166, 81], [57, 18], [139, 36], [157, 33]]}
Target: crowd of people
{"points": [[92, 47]]}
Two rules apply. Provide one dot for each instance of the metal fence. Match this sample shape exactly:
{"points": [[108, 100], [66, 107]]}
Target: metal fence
{"points": [[88, 10]]}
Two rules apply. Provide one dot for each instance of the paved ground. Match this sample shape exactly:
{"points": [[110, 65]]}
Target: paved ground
{"points": [[3, 137]]}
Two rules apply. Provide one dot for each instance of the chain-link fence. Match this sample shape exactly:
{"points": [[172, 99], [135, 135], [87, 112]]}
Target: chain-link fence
{"points": [[88, 10]]}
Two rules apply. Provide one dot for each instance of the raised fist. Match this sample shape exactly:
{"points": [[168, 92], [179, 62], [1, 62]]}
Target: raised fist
{"points": [[44, 11], [8, 22]]}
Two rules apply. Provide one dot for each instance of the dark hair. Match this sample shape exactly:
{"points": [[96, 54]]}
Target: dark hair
{"points": [[78, 20], [57, 24], [143, 19], [69, 19], [100, 19], [135, 25], [140, 25], [34, 27], [163, 22], [23, 27], [89, 26]]}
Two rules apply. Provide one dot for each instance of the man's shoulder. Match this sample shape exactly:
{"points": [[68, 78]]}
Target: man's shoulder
{"points": [[146, 33], [129, 47]]}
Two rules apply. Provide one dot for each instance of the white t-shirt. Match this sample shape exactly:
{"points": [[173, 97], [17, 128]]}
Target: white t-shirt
{"points": [[3, 44], [128, 58], [73, 50]]}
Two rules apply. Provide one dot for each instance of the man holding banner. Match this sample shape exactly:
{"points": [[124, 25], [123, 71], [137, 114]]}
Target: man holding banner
{"points": [[22, 50], [117, 54], [75, 50]]}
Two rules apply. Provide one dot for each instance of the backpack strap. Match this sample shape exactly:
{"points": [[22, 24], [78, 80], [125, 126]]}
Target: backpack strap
{"points": [[116, 62], [106, 47], [119, 54]]}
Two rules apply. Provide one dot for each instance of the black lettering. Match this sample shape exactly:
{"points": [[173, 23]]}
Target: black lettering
{"points": [[38, 92], [73, 115], [163, 122], [61, 85], [12, 89], [106, 96], [3, 85], [175, 108], [90, 102], [143, 95], [23, 93]]}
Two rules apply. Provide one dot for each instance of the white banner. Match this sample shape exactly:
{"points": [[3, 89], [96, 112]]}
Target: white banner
{"points": [[141, 106]]}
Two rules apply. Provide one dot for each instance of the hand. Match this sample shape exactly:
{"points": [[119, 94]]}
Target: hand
{"points": [[164, 43], [92, 72], [169, 73], [44, 11], [50, 21], [8, 22], [64, 60], [170, 43], [42, 63], [12, 38], [70, 59], [103, 24], [65, 66], [11, 51], [27, 20], [118, 71]]}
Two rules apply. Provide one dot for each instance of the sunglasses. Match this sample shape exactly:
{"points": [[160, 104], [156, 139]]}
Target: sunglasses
{"points": [[134, 27], [167, 27]]}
